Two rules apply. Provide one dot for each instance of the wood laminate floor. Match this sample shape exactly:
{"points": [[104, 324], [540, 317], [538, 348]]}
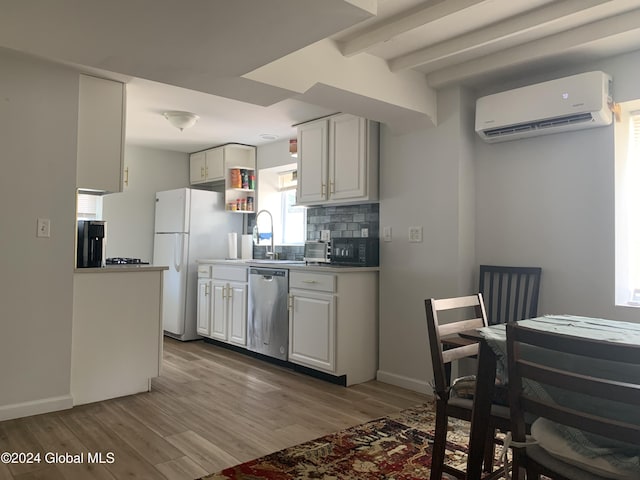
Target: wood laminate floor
{"points": [[211, 408]]}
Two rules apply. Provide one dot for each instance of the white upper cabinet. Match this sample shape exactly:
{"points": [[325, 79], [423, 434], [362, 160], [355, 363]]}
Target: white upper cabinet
{"points": [[338, 161], [207, 166], [235, 166], [313, 162], [101, 126]]}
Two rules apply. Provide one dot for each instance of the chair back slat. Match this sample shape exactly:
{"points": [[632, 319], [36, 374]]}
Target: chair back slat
{"points": [[510, 293], [460, 326], [455, 302], [613, 429], [602, 388], [459, 352]]}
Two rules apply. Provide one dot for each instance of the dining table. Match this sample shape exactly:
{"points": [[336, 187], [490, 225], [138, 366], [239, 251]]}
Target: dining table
{"points": [[492, 361]]}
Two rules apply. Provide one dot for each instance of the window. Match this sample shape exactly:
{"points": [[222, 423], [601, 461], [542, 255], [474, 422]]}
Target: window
{"points": [[89, 207], [277, 194], [627, 138], [293, 219]]}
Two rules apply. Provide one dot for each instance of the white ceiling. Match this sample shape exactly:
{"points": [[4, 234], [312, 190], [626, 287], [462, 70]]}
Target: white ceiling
{"points": [[254, 67]]}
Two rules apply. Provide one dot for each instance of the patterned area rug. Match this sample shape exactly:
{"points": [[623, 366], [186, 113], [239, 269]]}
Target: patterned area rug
{"points": [[397, 447]]}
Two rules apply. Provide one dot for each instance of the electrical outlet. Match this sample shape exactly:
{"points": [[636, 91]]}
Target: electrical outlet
{"points": [[386, 234], [44, 228], [325, 235], [364, 232], [415, 234]]}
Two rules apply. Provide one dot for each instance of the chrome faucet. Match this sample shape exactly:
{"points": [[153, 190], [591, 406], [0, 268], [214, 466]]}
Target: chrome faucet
{"points": [[272, 253]]}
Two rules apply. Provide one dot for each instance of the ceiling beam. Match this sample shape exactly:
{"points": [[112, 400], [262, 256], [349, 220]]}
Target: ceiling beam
{"points": [[401, 23], [483, 38], [547, 47]]}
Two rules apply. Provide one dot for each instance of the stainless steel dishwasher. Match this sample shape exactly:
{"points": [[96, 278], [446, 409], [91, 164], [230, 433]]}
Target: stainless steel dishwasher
{"points": [[268, 329]]}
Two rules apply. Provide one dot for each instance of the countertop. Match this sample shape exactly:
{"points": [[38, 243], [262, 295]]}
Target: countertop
{"points": [[121, 269], [290, 265]]}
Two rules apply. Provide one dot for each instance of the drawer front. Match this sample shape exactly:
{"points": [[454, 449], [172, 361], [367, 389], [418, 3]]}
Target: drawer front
{"points": [[225, 272], [313, 281], [204, 271]]}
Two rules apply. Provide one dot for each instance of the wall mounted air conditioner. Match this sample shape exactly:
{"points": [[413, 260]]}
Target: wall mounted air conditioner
{"points": [[570, 103]]}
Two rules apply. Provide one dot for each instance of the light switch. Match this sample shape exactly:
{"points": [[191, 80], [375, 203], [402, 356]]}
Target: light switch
{"points": [[364, 232], [325, 235], [386, 234], [44, 228], [415, 234]]}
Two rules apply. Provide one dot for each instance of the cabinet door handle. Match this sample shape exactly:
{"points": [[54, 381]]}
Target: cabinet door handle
{"points": [[206, 290], [224, 292], [324, 189], [309, 281], [290, 303], [206, 171], [333, 188], [229, 292], [126, 177], [201, 172]]}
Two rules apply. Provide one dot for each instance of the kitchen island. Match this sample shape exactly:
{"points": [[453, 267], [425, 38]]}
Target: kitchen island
{"points": [[116, 346]]}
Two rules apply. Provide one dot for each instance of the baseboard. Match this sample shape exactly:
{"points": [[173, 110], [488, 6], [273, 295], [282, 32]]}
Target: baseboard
{"points": [[419, 386], [36, 407]]}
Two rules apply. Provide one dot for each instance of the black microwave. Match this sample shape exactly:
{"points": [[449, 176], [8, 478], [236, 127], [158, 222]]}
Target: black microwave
{"points": [[355, 251]]}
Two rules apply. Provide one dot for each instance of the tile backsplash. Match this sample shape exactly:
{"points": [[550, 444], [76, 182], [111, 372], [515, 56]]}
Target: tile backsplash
{"points": [[342, 221]]}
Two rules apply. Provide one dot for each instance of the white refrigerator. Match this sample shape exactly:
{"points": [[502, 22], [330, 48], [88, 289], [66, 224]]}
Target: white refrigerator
{"points": [[190, 225]]}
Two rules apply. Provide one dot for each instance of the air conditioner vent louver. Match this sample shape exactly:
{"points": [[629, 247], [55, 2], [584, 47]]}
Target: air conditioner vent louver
{"points": [[549, 123], [570, 103]]}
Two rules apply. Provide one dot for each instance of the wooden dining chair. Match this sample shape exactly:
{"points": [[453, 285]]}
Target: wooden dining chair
{"points": [[470, 314], [560, 462], [509, 293]]}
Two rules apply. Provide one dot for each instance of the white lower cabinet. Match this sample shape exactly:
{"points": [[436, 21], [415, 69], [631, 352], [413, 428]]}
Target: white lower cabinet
{"points": [[237, 313], [333, 316], [222, 303], [333, 323], [204, 306], [219, 310], [312, 329]]}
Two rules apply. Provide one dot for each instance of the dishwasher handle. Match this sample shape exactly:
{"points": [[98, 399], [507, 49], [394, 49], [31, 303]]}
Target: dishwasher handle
{"points": [[269, 272]]}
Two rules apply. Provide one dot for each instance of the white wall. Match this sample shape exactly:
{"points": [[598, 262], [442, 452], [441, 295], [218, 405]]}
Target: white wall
{"points": [[131, 213], [545, 201], [549, 201], [426, 180], [273, 154], [38, 125]]}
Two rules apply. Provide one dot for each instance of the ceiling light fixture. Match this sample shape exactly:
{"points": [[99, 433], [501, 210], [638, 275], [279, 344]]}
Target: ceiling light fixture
{"points": [[268, 136], [181, 120]]}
